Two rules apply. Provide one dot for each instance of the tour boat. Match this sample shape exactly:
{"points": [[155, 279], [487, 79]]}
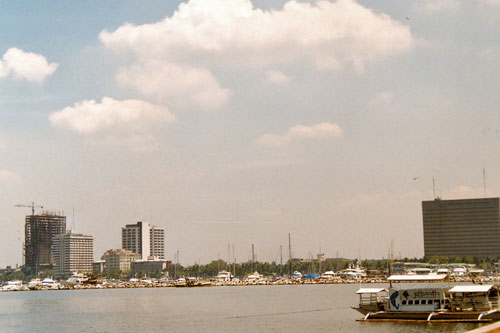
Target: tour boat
{"points": [[461, 303]]}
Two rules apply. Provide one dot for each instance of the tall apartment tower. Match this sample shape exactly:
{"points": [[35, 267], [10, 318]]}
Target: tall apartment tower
{"points": [[144, 239], [73, 253], [464, 228], [39, 230]]}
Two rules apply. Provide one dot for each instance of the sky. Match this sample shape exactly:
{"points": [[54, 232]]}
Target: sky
{"points": [[238, 121]]}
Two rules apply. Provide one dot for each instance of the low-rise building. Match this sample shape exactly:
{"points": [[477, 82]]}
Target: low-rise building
{"points": [[99, 266], [119, 260], [150, 265]]}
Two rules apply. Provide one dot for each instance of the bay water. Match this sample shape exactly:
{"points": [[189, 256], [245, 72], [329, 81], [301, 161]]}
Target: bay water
{"points": [[289, 308]]}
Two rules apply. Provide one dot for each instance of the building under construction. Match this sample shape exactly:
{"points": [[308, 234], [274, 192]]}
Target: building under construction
{"points": [[39, 231]]}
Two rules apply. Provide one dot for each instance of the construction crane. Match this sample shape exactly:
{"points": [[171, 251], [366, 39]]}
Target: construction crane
{"points": [[32, 206]]}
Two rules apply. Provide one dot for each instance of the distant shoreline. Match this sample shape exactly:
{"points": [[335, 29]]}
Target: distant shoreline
{"points": [[209, 283]]}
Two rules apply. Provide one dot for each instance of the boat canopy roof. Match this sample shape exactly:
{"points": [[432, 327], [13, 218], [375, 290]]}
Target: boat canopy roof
{"points": [[429, 277], [471, 289], [370, 290]]}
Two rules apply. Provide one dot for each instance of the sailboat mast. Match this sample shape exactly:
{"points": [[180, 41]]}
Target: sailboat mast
{"points": [[281, 260], [228, 257], [289, 255], [234, 262], [253, 259]]}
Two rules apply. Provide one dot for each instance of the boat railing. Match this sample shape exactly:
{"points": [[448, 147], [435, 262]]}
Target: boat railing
{"points": [[493, 301], [474, 304]]}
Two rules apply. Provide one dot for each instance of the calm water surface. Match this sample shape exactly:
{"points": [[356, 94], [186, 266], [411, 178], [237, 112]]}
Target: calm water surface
{"points": [[303, 308]]}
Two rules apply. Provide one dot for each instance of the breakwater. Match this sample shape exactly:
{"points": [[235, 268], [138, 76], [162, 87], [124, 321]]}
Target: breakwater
{"points": [[194, 282]]}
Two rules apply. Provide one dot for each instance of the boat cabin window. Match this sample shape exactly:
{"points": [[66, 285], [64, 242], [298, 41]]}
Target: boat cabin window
{"points": [[404, 302], [410, 302], [429, 301], [417, 302]]}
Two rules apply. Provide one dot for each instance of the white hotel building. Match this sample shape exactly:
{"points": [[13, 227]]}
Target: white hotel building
{"points": [[145, 239]]}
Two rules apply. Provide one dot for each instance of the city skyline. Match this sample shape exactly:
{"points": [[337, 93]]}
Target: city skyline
{"points": [[242, 121]]}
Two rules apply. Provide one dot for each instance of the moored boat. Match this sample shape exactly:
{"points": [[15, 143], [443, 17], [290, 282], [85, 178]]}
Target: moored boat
{"points": [[12, 285], [462, 303], [356, 273], [50, 284], [34, 283], [77, 278]]}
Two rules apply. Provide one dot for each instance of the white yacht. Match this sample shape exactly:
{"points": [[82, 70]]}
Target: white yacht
{"points": [[350, 273], [34, 283], [254, 278], [224, 276], [51, 284], [181, 282], [77, 279], [329, 275], [13, 285]]}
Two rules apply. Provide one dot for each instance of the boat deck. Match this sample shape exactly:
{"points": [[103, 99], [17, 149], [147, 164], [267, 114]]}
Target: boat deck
{"points": [[427, 321]]}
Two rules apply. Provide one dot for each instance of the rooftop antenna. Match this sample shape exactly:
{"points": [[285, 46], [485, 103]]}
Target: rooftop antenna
{"points": [[392, 249], [433, 187], [73, 217], [484, 182]]}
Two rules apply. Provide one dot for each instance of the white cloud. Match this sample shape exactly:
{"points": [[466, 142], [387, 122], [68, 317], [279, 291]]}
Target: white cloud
{"points": [[9, 176], [182, 53], [90, 116], [338, 32], [177, 85], [277, 77], [25, 65], [320, 131], [380, 98], [434, 6]]}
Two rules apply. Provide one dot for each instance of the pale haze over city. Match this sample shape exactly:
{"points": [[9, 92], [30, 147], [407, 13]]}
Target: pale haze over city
{"points": [[238, 121]]}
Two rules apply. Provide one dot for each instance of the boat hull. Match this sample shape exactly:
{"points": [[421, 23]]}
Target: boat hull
{"points": [[444, 316]]}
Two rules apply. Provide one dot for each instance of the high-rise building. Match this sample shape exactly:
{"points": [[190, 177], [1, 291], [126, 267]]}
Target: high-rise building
{"points": [[464, 228], [39, 230], [157, 242], [73, 253], [144, 239]]}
